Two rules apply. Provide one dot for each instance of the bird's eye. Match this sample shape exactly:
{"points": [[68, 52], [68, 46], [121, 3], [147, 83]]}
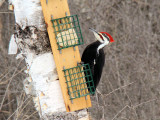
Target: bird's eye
{"points": [[108, 38]]}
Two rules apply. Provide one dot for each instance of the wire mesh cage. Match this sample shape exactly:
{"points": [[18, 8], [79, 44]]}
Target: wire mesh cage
{"points": [[67, 31], [79, 81]]}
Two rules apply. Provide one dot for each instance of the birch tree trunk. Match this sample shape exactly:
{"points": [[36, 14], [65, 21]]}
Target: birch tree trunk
{"points": [[42, 83]]}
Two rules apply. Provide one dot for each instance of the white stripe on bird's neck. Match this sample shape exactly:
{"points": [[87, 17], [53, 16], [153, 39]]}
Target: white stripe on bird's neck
{"points": [[105, 42]]}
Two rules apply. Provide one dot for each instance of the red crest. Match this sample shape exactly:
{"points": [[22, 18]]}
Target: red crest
{"points": [[110, 37]]}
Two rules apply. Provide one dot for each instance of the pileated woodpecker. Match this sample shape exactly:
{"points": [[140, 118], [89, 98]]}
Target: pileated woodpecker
{"points": [[94, 55]]}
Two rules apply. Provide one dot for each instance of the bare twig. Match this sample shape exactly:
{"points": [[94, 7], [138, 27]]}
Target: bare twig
{"points": [[19, 113], [135, 106], [118, 89], [9, 101], [6, 12], [9, 85], [30, 115], [17, 109], [120, 112]]}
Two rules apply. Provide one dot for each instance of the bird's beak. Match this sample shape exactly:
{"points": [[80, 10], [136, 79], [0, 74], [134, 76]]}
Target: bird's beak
{"points": [[93, 30], [96, 34]]}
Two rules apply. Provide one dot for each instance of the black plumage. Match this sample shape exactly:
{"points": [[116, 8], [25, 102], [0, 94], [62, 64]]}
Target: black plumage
{"points": [[95, 60]]}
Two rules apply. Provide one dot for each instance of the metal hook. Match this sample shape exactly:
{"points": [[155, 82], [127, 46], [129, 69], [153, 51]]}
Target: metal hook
{"points": [[72, 101], [60, 51], [51, 16], [66, 13], [63, 67], [85, 97]]}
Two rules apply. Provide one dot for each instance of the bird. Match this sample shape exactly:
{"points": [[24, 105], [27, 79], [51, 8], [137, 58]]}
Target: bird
{"points": [[94, 56]]}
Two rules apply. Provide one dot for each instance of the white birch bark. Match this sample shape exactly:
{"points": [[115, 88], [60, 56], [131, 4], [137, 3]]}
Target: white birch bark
{"points": [[42, 82]]}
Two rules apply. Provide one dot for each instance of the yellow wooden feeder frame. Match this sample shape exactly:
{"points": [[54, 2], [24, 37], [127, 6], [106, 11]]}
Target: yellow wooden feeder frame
{"points": [[65, 57]]}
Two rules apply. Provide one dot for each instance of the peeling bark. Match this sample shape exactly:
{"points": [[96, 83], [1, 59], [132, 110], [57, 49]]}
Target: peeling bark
{"points": [[33, 39]]}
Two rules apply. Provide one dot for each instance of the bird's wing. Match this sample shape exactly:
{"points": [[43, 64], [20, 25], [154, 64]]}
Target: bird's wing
{"points": [[99, 67], [87, 54]]}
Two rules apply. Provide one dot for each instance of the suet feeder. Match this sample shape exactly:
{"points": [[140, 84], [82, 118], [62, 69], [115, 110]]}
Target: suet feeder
{"points": [[67, 31], [79, 81], [65, 34]]}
